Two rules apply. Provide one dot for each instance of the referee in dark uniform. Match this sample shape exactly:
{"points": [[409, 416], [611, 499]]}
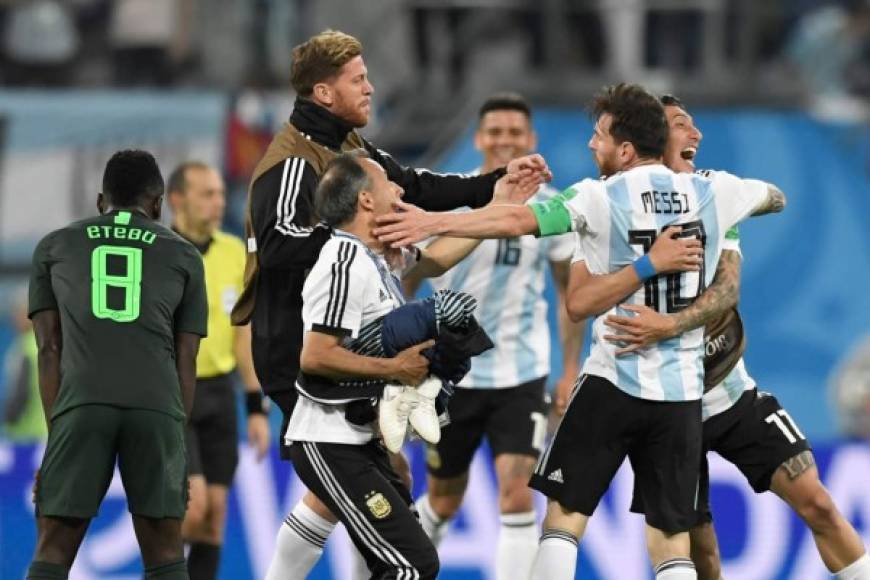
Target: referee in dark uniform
{"points": [[118, 304]]}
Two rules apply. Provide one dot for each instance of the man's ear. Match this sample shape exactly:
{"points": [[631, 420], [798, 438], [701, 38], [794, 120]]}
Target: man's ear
{"points": [[102, 204], [157, 207], [627, 151], [322, 94], [366, 201]]}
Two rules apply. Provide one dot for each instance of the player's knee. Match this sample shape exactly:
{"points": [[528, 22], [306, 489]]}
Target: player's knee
{"points": [[817, 509], [56, 554], [515, 497], [195, 516], [445, 506], [213, 526], [160, 549]]}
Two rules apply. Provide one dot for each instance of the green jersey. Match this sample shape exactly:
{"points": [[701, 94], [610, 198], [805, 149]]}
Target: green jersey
{"points": [[124, 285]]}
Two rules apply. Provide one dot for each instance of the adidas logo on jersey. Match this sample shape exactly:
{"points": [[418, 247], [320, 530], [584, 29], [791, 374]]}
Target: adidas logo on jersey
{"points": [[556, 476], [383, 295]]}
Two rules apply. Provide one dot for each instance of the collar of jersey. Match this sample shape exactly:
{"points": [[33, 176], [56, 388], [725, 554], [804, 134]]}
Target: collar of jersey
{"points": [[323, 127]]}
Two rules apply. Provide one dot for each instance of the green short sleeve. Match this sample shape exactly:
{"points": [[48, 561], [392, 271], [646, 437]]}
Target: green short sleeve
{"points": [[40, 293], [192, 313]]}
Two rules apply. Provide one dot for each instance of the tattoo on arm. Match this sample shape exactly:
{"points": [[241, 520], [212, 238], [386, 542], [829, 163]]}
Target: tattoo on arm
{"points": [[717, 299], [775, 202], [798, 464]]}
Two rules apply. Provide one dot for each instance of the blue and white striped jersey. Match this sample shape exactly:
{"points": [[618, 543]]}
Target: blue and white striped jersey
{"points": [[618, 220], [723, 396], [507, 277]]}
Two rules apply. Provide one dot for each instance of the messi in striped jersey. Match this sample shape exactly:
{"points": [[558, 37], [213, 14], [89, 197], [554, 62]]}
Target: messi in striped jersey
{"points": [[645, 406], [502, 397], [747, 427]]}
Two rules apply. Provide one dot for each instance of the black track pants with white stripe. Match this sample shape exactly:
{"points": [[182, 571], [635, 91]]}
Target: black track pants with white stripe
{"points": [[361, 488]]}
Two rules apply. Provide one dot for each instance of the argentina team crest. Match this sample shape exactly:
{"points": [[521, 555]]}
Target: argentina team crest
{"points": [[378, 504]]}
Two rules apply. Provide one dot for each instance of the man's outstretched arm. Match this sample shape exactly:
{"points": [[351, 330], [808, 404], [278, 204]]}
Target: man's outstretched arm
{"points": [[409, 224]]}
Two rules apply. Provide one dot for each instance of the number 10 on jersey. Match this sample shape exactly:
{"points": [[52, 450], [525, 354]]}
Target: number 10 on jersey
{"points": [[677, 282], [102, 281]]}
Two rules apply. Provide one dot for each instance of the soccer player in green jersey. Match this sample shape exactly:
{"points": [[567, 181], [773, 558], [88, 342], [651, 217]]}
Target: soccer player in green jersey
{"points": [[118, 304]]}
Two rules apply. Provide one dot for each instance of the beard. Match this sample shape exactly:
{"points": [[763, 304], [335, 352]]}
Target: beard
{"points": [[351, 113], [607, 166]]}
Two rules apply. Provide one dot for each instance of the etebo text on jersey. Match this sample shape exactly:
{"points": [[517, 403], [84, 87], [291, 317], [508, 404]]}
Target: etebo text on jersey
{"points": [[121, 233]]}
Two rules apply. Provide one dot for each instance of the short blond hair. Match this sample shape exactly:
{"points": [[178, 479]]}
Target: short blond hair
{"points": [[320, 58]]}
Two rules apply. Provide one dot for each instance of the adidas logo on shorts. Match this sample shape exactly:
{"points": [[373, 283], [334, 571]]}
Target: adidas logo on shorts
{"points": [[556, 476]]}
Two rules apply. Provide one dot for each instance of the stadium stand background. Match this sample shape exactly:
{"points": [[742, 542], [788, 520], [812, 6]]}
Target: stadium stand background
{"points": [[779, 91]]}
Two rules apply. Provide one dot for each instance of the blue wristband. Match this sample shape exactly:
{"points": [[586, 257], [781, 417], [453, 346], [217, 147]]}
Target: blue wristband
{"points": [[644, 267]]}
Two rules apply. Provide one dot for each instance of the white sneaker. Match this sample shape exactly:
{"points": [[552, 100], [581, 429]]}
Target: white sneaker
{"points": [[423, 417], [393, 411]]}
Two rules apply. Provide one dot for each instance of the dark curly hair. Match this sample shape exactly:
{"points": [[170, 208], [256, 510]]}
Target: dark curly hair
{"points": [[638, 117]]}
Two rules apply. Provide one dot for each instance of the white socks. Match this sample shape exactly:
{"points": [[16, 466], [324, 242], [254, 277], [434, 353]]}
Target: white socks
{"points": [[299, 544], [517, 545], [676, 569], [557, 556], [434, 526], [857, 570]]}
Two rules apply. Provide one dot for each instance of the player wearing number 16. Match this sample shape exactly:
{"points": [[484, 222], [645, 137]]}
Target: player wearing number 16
{"points": [[645, 405], [118, 305]]}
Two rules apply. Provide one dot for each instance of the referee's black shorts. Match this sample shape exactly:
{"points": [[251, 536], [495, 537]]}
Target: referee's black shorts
{"points": [[602, 426], [360, 487], [212, 434]]}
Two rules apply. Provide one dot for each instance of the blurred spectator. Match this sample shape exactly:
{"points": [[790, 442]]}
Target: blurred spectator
{"points": [[40, 42], [150, 40], [850, 388], [829, 46], [23, 419]]}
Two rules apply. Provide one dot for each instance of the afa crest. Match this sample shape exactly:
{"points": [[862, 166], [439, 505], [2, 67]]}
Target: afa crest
{"points": [[378, 505]]}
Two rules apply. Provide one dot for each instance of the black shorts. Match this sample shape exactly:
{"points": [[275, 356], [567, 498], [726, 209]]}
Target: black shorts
{"points": [[512, 419], [360, 487], [83, 447], [602, 426], [757, 435], [213, 431]]}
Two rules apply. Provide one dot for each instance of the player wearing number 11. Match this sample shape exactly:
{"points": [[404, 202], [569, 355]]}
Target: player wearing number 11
{"points": [[646, 405], [118, 305]]}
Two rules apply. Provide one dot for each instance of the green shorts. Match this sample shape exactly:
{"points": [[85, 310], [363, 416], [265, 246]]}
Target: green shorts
{"points": [[80, 459]]}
